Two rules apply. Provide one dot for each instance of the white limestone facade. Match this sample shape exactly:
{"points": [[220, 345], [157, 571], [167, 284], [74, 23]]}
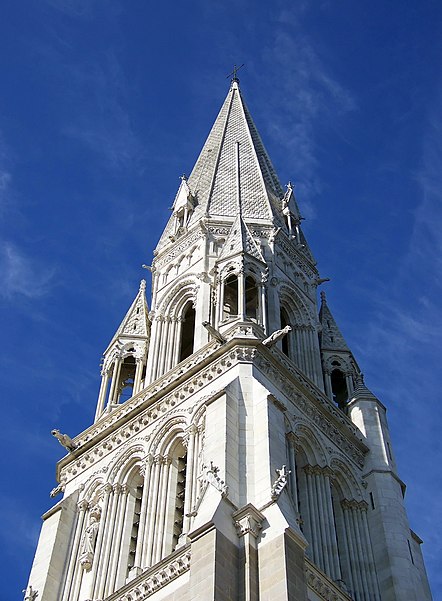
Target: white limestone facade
{"points": [[236, 453]]}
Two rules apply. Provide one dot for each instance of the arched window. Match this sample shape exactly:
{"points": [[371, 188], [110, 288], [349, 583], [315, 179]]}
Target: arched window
{"points": [[284, 318], [339, 386], [230, 308], [127, 379], [187, 331], [251, 299]]}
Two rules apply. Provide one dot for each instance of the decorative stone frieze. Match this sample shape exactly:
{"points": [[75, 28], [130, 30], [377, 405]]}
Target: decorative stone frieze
{"points": [[179, 248], [316, 414], [322, 585], [155, 578]]}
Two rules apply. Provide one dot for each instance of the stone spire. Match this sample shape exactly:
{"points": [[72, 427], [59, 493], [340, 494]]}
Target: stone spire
{"points": [[136, 320], [331, 337]]}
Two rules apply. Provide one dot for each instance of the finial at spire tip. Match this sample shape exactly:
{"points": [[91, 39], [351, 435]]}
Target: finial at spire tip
{"points": [[234, 74], [323, 297], [142, 285]]}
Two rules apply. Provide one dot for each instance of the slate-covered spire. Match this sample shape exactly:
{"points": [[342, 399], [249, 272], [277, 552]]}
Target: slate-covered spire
{"points": [[136, 321], [218, 167], [331, 337]]}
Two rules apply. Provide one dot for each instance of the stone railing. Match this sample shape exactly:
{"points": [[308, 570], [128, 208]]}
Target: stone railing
{"points": [[154, 578], [325, 588]]}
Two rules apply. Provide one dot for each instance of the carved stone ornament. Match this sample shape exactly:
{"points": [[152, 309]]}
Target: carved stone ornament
{"points": [[155, 578], [280, 482], [65, 440], [211, 477], [277, 335], [56, 491], [248, 520], [30, 594]]}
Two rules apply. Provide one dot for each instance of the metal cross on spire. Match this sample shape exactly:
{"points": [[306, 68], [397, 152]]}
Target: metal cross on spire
{"points": [[233, 74]]}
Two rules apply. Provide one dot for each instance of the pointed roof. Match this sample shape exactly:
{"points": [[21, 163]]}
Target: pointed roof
{"points": [[240, 240], [233, 158], [136, 322], [361, 391], [331, 336]]}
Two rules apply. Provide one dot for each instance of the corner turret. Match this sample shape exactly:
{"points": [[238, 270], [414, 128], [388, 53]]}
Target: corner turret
{"points": [[124, 361]]}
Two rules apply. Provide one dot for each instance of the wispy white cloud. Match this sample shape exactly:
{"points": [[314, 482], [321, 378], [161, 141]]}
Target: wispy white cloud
{"points": [[23, 276], [306, 96]]}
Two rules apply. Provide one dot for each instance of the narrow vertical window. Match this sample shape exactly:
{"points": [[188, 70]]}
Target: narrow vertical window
{"points": [[187, 332], [339, 388], [251, 299], [127, 378], [230, 308], [284, 322], [179, 503]]}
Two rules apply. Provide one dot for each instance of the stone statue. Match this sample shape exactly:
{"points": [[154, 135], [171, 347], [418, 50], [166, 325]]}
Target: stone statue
{"points": [[65, 440], [273, 338], [90, 539], [30, 594]]}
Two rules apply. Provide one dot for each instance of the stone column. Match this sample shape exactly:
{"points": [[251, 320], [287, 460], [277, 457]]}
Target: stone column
{"points": [[146, 471], [241, 295], [328, 386], [353, 548], [312, 516], [102, 394], [115, 552], [291, 440], [113, 393], [151, 512], [101, 538], [74, 571], [138, 375], [248, 522], [163, 494], [191, 431], [108, 540], [330, 524]]}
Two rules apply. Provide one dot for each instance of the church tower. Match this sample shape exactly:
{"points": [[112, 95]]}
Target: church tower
{"points": [[236, 453]]}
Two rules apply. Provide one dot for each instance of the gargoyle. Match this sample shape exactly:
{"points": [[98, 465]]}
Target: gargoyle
{"points": [[65, 440], [273, 338]]}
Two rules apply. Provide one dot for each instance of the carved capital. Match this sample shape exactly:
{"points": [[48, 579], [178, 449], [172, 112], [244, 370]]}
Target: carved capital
{"points": [[248, 520]]}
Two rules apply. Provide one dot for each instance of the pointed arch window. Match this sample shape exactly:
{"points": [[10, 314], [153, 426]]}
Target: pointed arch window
{"points": [[127, 379], [187, 331], [339, 385], [230, 307]]}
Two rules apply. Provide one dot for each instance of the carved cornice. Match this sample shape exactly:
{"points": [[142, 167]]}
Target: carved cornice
{"points": [[324, 587], [176, 386], [155, 578], [178, 248], [315, 406], [93, 441]]}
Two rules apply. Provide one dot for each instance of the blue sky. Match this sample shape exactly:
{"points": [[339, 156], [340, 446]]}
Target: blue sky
{"points": [[104, 104]]}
